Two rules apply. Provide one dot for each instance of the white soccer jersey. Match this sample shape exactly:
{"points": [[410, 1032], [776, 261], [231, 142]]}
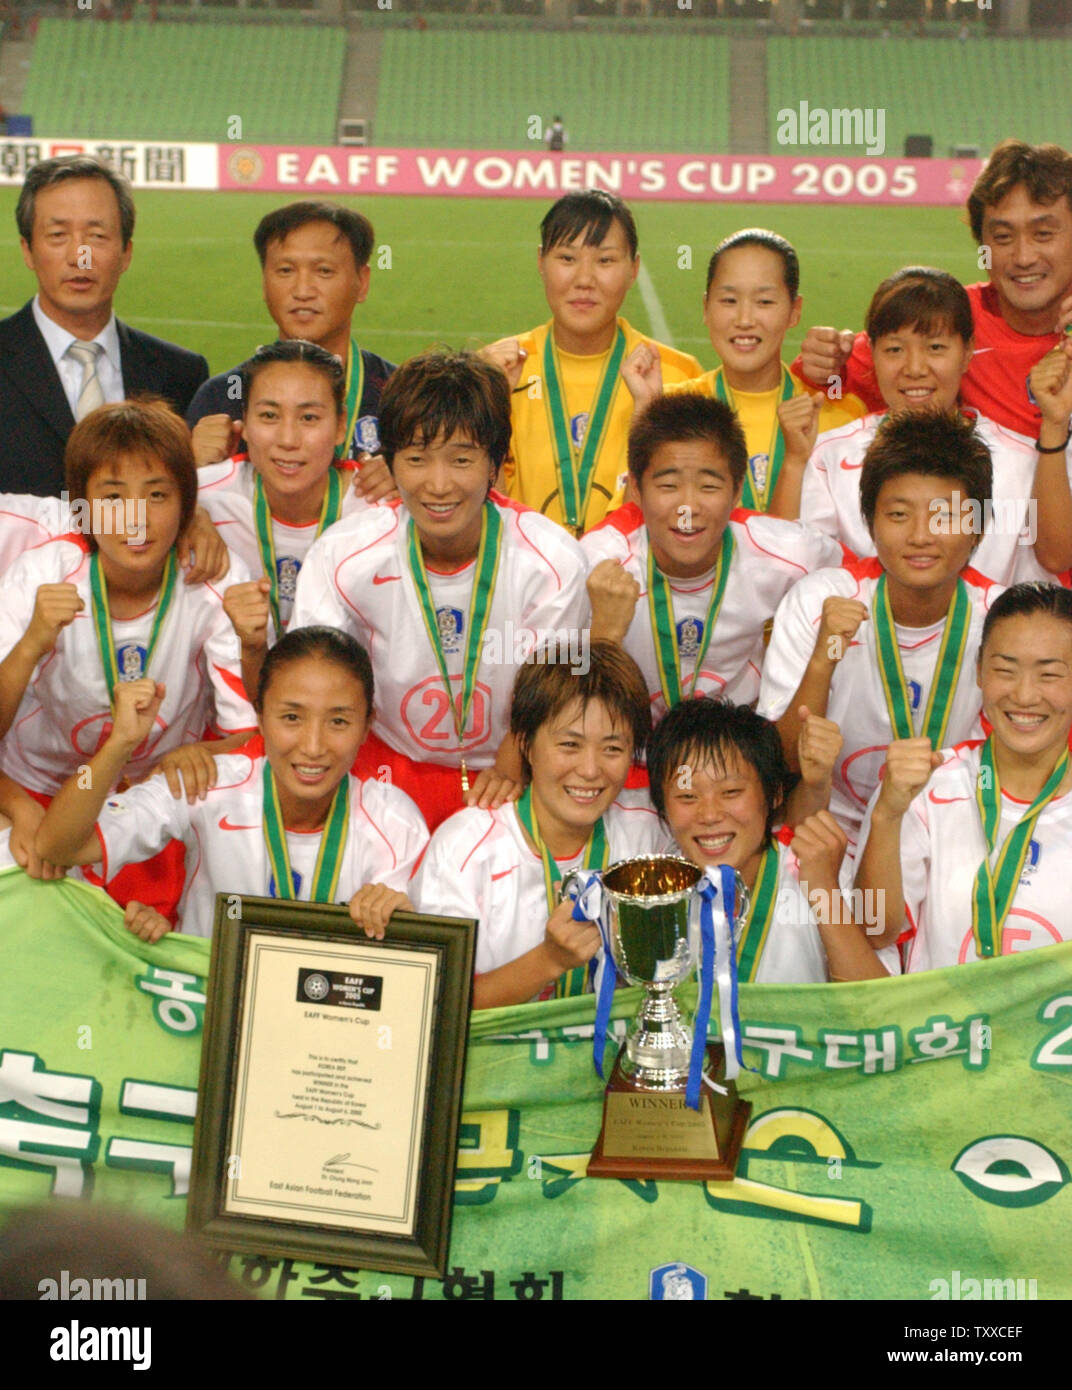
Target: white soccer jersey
{"points": [[225, 846], [357, 577], [942, 847], [830, 498], [26, 522], [769, 556], [225, 490], [479, 864], [64, 716], [857, 702]]}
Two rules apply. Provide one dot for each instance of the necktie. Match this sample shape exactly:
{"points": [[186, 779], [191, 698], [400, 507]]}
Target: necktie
{"points": [[90, 396]]}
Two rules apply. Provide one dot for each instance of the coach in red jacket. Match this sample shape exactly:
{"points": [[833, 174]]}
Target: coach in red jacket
{"points": [[1020, 211]]}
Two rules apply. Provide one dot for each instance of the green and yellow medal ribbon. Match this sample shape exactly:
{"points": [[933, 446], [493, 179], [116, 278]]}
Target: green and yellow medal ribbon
{"points": [[995, 888], [574, 981], [332, 842], [752, 937], [355, 386], [661, 612], [576, 473], [487, 569], [102, 617], [750, 498], [947, 666], [262, 520]]}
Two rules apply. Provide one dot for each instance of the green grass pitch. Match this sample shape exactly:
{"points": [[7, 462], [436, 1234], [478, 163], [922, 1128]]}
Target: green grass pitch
{"points": [[463, 271]]}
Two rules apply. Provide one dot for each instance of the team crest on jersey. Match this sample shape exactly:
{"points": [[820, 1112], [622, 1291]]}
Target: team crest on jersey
{"points": [[915, 694], [130, 661], [295, 879], [689, 636], [758, 463], [286, 570], [577, 426], [677, 1281], [367, 435], [1031, 861], [450, 623]]}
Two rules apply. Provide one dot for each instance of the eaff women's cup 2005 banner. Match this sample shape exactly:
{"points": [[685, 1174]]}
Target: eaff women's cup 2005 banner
{"points": [[661, 177]]}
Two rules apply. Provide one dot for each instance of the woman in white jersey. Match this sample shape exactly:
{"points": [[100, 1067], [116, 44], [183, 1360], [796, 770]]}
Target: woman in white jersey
{"points": [[886, 647], [971, 846], [271, 505], [579, 730], [83, 613], [449, 589], [719, 780], [285, 818], [920, 327]]}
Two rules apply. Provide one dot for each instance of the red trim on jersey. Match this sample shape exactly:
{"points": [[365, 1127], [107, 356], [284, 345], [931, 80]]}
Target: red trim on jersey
{"points": [[236, 460], [465, 861], [744, 516], [378, 830], [624, 519], [868, 568]]}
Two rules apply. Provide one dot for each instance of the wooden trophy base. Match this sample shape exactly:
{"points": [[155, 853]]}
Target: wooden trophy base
{"points": [[653, 1134]]}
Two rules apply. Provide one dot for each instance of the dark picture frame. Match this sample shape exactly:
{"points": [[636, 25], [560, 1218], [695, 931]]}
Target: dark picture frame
{"points": [[264, 1003]]}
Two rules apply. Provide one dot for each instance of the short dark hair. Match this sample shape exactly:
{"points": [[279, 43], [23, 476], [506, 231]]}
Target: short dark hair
{"points": [[923, 299], [324, 643], [145, 426], [769, 241], [707, 730], [683, 416], [1024, 600], [1044, 170], [72, 166], [590, 213], [929, 443], [441, 394], [543, 690], [295, 350], [354, 226]]}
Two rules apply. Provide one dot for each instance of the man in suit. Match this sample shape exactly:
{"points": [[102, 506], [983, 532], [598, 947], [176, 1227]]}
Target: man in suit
{"points": [[65, 352]]}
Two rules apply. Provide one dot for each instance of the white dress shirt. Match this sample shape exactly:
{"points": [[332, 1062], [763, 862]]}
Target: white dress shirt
{"points": [[109, 367]]}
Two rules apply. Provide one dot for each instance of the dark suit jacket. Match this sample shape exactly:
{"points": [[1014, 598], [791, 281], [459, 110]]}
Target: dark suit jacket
{"points": [[35, 418]]}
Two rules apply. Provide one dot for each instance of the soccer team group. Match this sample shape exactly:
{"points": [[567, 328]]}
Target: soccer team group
{"points": [[436, 634]]}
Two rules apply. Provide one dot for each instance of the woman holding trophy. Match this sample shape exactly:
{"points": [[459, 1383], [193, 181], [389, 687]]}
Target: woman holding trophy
{"points": [[579, 730]]}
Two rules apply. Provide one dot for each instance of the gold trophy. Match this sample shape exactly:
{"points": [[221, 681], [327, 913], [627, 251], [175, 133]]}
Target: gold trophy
{"points": [[648, 917]]}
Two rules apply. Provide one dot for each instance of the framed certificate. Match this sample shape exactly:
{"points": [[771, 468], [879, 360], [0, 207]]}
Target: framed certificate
{"points": [[331, 1082]]}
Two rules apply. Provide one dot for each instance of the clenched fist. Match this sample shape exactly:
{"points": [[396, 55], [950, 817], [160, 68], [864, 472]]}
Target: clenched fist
{"points": [[642, 372], [799, 419], [840, 620], [613, 593], [248, 609], [508, 354], [54, 607], [824, 352], [909, 764]]}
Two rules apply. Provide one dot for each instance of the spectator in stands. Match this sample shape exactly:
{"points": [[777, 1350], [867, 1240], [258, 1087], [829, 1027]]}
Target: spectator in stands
{"points": [[315, 263], [1020, 211], [557, 135], [65, 353], [571, 410]]}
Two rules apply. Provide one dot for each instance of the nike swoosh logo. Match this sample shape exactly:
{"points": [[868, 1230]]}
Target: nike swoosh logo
{"points": [[848, 467], [384, 578], [225, 824], [945, 800], [505, 874]]}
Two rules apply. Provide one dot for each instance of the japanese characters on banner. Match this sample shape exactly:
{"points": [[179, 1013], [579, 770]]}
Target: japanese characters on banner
{"points": [[321, 170]]}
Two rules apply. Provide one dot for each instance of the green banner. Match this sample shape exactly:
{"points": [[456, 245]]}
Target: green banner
{"points": [[910, 1138]]}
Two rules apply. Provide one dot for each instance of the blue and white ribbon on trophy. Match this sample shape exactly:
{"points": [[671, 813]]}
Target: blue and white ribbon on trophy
{"points": [[717, 886]]}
